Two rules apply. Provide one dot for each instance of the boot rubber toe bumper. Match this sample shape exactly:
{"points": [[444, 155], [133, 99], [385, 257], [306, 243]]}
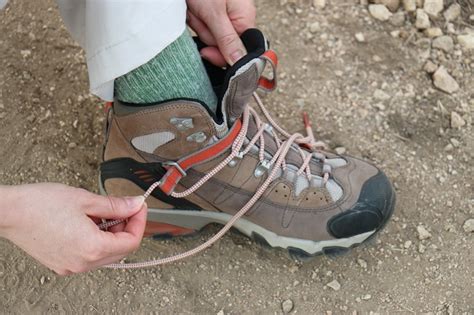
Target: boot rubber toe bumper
{"points": [[371, 211]]}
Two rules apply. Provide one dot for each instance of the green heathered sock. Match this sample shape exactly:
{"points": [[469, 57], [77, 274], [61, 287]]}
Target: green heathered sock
{"points": [[176, 72]]}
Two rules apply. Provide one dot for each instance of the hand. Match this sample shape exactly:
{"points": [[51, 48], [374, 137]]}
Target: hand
{"points": [[218, 23], [57, 225]]}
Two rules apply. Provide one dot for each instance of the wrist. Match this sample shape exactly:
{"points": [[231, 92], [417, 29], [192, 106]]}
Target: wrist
{"points": [[9, 208]]}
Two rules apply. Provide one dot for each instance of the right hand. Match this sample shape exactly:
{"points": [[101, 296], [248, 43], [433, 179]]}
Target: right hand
{"points": [[57, 225]]}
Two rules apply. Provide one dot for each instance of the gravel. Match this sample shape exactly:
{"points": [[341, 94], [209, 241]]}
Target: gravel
{"points": [[468, 226], [457, 121], [335, 285], [466, 41], [445, 43], [287, 306], [379, 12], [444, 81], [433, 7], [422, 20], [423, 233]]}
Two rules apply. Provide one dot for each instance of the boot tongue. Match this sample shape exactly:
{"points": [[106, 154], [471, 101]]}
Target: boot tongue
{"points": [[242, 78]]}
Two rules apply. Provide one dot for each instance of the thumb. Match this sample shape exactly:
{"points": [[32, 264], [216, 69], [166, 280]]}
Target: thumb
{"points": [[228, 41], [115, 207]]}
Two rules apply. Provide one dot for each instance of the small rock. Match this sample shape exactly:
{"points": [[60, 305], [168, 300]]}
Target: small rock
{"points": [[72, 145], [449, 147], [433, 7], [466, 41], [423, 233], [381, 95], [453, 12], [468, 226], [314, 27], [457, 121], [433, 32], [362, 263], [221, 312], [422, 20], [395, 33], [319, 3], [392, 5], [407, 244], [398, 19], [360, 37], [340, 150], [287, 306], [42, 280], [366, 297], [379, 12], [409, 5], [445, 43], [455, 142], [335, 285], [430, 67], [421, 248], [444, 81], [25, 53]]}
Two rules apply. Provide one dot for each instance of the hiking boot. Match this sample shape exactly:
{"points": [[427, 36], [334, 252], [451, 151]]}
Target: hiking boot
{"points": [[234, 167]]}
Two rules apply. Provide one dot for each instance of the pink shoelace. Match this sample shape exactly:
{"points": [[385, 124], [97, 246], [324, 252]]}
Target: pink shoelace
{"points": [[275, 163]]}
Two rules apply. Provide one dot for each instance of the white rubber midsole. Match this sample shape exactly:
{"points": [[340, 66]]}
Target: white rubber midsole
{"points": [[196, 220]]}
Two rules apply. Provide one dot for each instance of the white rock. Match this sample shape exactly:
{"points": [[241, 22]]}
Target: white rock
{"points": [[25, 53], [314, 27], [469, 226], [379, 12], [287, 306], [457, 121], [335, 285], [445, 43], [422, 20], [423, 234], [444, 81], [362, 263], [453, 12], [409, 5], [319, 3], [392, 5], [221, 312], [340, 150], [433, 32], [360, 37], [407, 244], [433, 7], [466, 40]]}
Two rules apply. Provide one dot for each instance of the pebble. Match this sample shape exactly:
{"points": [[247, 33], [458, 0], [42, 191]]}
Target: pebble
{"points": [[449, 147], [287, 306], [430, 67], [42, 280], [221, 312], [457, 121], [362, 263], [72, 145], [398, 19], [392, 5], [314, 27], [433, 7], [433, 32], [379, 12], [319, 3], [381, 95], [340, 150], [407, 244], [444, 81], [360, 37], [422, 20], [25, 53], [468, 226], [445, 43], [466, 41], [335, 285], [409, 5], [366, 297], [423, 233], [453, 12]]}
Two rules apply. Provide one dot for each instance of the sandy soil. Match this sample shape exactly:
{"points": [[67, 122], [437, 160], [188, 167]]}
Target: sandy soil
{"points": [[51, 130]]}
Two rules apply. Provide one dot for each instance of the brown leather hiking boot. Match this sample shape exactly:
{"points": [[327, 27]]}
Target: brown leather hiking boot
{"points": [[280, 189]]}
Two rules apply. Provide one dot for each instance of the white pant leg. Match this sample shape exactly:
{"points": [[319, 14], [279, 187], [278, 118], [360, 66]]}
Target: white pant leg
{"points": [[121, 35]]}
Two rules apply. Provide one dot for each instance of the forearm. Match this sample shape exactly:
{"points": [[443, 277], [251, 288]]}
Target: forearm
{"points": [[8, 208]]}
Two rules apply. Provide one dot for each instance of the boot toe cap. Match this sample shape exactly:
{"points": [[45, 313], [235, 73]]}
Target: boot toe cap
{"points": [[371, 211]]}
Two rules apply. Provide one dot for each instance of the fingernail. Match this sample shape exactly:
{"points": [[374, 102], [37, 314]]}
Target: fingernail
{"points": [[236, 55], [135, 202]]}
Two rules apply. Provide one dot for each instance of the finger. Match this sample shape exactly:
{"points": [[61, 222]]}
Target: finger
{"points": [[213, 55], [129, 239], [117, 228], [201, 29], [114, 207], [228, 40], [242, 15]]}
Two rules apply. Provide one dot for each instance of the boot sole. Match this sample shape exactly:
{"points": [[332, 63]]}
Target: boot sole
{"points": [[166, 224]]}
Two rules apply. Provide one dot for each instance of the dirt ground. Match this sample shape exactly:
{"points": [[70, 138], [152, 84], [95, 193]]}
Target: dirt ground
{"points": [[372, 98]]}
